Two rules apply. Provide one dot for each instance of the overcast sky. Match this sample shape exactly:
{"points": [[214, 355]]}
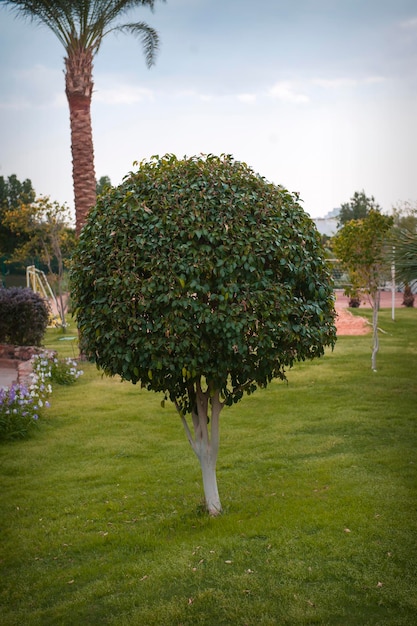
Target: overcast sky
{"points": [[319, 96]]}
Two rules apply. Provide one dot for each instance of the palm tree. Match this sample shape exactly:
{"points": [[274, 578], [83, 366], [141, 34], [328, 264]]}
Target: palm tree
{"points": [[405, 242], [80, 26]]}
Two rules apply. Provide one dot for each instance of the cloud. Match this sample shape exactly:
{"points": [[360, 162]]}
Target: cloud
{"points": [[341, 83], [335, 83], [246, 97], [36, 87], [205, 97], [410, 24], [122, 94], [59, 100], [186, 94], [285, 91], [373, 80], [16, 104]]}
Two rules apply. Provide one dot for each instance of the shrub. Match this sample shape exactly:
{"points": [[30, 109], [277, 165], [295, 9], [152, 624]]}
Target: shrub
{"points": [[24, 316]]}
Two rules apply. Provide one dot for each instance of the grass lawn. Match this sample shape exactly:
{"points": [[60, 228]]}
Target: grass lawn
{"points": [[101, 518]]}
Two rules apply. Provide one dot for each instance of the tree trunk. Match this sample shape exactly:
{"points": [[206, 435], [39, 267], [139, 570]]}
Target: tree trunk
{"points": [[206, 447], [375, 310], [79, 88], [211, 492]]}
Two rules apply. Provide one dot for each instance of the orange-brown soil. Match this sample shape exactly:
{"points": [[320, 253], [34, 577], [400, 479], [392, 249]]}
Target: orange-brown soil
{"points": [[349, 324]]}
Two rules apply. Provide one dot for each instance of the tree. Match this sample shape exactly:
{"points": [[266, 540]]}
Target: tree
{"points": [[81, 26], [13, 193], [202, 281], [361, 247], [405, 241], [358, 208], [43, 227], [405, 216], [102, 184]]}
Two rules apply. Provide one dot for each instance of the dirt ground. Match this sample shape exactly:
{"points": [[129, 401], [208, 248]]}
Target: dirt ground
{"points": [[348, 324]]}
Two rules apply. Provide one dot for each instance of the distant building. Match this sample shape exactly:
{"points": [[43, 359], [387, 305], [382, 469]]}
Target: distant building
{"points": [[327, 225]]}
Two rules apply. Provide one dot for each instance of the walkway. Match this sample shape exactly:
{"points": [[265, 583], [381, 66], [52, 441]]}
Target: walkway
{"points": [[8, 375]]}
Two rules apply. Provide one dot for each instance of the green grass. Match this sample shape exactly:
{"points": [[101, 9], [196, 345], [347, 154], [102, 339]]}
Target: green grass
{"points": [[101, 517]]}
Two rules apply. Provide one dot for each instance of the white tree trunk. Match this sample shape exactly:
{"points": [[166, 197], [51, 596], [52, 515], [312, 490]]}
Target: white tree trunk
{"points": [[205, 442], [211, 492], [375, 348]]}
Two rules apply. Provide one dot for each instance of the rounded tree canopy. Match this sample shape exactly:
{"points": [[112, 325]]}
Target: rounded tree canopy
{"points": [[200, 268]]}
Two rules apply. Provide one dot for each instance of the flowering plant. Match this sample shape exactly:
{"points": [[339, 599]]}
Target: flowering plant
{"points": [[64, 372], [21, 405], [18, 412]]}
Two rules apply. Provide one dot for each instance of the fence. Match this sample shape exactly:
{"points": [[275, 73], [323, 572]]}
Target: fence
{"points": [[340, 276]]}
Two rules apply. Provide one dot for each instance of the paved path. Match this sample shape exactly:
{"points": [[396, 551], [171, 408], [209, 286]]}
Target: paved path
{"points": [[8, 376]]}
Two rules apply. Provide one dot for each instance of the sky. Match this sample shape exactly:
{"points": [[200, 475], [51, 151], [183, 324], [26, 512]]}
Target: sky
{"points": [[319, 96]]}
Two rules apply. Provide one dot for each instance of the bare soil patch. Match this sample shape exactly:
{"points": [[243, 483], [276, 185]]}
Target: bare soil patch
{"points": [[349, 324]]}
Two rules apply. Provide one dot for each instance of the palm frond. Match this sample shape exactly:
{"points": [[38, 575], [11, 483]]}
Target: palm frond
{"points": [[406, 255], [147, 35], [84, 23], [57, 16]]}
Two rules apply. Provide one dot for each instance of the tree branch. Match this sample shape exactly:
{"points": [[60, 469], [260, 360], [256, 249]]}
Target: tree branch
{"points": [[186, 428]]}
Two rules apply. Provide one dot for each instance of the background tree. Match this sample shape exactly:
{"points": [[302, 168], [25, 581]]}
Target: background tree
{"points": [[13, 193], [405, 216], [80, 26], [199, 279], [102, 184], [362, 248], [359, 207], [45, 233]]}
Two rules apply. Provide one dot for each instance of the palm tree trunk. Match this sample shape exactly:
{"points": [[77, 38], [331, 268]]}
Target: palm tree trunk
{"points": [[79, 88]]}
